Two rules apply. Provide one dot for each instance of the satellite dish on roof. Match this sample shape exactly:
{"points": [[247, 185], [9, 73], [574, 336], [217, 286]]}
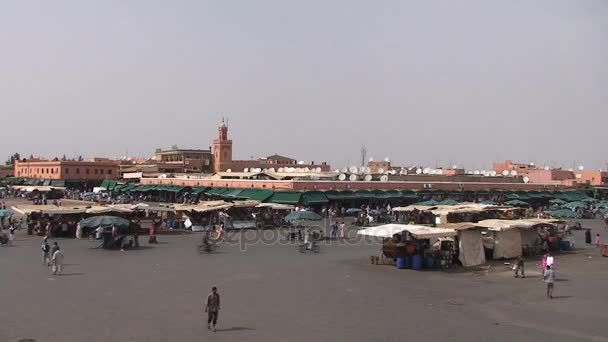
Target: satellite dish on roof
{"points": [[246, 169], [162, 176], [482, 172], [290, 169], [426, 170], [571, 170], [454, 166], [368, 178], [298, 169], [581, 167], [387, 159], [505, 172], [342, 177], [380, 170], [526, 179], [432, 171], [318, 169], [440, 171], [361, 169], [547, 168], [476, 172], [352, 169], [418, 171], [384, 178], [352, 178], [579, 176], [513, 173], [344, 169], [371, 159], [368, 169], [393, 172], [229, 170], [531, 164], [281, 169], [493, 173], [300, 162], [306, 169], [271, 170]]}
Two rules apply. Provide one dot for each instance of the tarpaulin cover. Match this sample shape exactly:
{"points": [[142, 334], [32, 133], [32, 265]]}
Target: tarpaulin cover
{"points": [[471, 248], [507, 244]]}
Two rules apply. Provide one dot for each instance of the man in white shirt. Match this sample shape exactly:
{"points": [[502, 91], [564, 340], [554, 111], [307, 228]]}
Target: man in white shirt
{"points": [[550, 260]]}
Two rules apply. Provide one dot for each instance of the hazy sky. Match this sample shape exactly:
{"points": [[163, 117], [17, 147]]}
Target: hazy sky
{"points": [[422, 82]]}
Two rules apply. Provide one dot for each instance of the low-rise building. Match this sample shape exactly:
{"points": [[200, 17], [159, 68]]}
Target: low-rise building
{"points": [[95, 169]]}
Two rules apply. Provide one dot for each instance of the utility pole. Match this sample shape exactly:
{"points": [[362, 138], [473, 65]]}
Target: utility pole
{"points": [[363, 155]]}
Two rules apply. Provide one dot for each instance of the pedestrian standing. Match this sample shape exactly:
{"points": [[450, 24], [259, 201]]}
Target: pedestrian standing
{"points": [[334, 230], [54, 248], [46, 250], [57, 261], [212, 308], [11, 234], [519, 267], [597, 242], [549, 277]]}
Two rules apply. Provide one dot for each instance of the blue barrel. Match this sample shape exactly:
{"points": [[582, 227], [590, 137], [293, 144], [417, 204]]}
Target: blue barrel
{"points": [[430, 263], [564, 245], [401, 264], [417, 262]]}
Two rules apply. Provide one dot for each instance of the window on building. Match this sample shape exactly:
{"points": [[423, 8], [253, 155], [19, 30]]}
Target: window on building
{"points": [[109, 171], [77, 171], [52, 170], [87, 171], [47, 171], [101, 171], [96, 171], [67, 171]]}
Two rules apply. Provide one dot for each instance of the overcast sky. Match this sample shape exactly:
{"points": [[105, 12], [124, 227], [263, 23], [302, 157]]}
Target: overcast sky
{"points": [[422, 82]]}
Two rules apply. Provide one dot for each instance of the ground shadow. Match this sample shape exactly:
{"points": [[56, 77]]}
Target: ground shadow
{"points": [[561, 280], [70, 274], [140, 248], [562, 297], [235, 329]]}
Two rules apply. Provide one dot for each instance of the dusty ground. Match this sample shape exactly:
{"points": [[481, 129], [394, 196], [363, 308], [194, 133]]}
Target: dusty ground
{"points": [[274, 293]]}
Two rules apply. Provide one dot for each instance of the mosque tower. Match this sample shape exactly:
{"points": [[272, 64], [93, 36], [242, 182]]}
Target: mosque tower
{"points": [[222, 148]]}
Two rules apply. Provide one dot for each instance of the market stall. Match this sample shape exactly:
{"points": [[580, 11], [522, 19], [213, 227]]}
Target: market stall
{"points": [[411, 247]]}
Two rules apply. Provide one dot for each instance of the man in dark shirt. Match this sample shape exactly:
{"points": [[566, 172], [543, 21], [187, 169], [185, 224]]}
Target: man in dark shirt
{"points": [[212, 308]]}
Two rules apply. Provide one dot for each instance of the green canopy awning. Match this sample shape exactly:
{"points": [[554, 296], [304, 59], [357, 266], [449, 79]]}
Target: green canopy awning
{"points": [[285, 197], [364, 194], [216, 191], [313, 198], [108, 184], [198, 190], [339, 195], [58, 182], [233, 193], [256, 194]]}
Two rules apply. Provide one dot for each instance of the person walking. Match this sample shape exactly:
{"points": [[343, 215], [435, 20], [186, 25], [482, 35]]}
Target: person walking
{"points": [[46, 250], [597, 242], [550, 260], [57, 260], [519, 267], [549, 278], [334, 230], [342, 230], [78, 231], [54, 249], [212, 308]]}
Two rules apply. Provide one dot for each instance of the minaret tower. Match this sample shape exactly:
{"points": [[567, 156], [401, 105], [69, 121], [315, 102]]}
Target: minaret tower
{"points": [[222, 149]]}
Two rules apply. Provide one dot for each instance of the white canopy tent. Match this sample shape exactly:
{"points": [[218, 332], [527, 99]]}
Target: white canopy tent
{"points": [[419, 232]]}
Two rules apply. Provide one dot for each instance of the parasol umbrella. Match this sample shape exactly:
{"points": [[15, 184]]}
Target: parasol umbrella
{"points": [[429, 203], [565, 213], [589, 200], [557, 201], [302, 216], [352, 211], [517, 203], [5, 213], [575, 205], [104, 222], [449, 201]]}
